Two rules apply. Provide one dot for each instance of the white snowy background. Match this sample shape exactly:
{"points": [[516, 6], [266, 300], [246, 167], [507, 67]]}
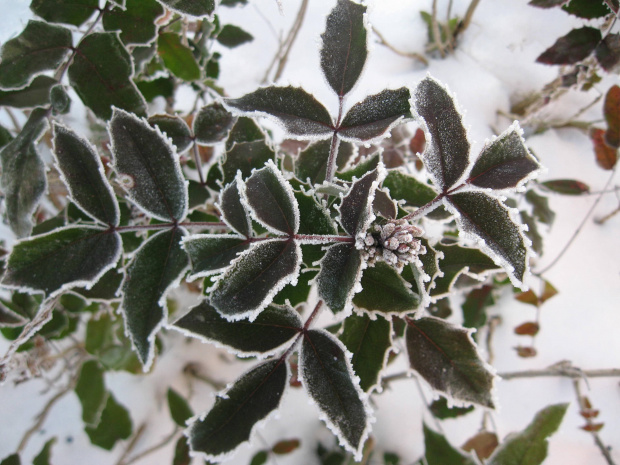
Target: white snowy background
{"points": [[492, 67]]}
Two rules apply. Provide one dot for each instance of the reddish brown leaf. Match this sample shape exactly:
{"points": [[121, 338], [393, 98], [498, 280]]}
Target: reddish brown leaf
{"points": [[528, 297], [286, 446], [589, 413], [593, 427], [572, 48], [612, 116], [483, 443], [548, 292], [529, 328], [585, 402], [417, 144], [567, 186], [606, 156], [526, 352]]}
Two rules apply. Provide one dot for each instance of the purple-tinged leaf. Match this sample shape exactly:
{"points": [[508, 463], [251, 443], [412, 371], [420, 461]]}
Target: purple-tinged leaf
{"points": [[446, 357], [148, 165], [83, 174], [298, 111], [232, 36], [230, 422], [587, 9], [447, 151], [611, 110], [64, 258], [486, 218], [356, 207], [340, 275], [74, 12], [115, 425], [175, 128], [566, 186], [572, 48], [190, 7], [327, 375], [137, 22], [212, 124], [547, 3], [255, 277], [274, 328], [376, 114], [156, 267], [212, 253], [234, 213], [36, 94], [504, 162], [311, 164], [245, 157], [90, 390], [438, 451], [180, 411], [344, 50], [606, 156], [607, 53], [384, 205]]}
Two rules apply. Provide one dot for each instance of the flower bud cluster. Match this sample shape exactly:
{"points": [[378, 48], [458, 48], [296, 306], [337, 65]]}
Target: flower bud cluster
{"points": [[396, 242]]}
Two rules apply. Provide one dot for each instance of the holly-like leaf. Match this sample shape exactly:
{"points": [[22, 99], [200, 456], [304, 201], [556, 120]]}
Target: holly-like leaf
{"points": [[446, 357], [36, 94], [587, 9], [611, 110], [447, 151], [503, 163], [144, 158], [101, 74], [438, 451], [384, 291], [74, 12], [327, 376], [82, 172], [40, 47], [530, 446], [606, 156], [572, 48], [311, 164], [64, 258], [180, 411], [356, 207], [567, 186], [313, 217], [232, 36], [175, 128], [244, 130], [177, 57], [272, 329], [271, 199], [255, 277], [91, 391], [370, 342], [376, 114], [486, 218], [115, 424], [298, 111], [344, 50], [211, 253], [212, 124], [244, 157], [190, 7], [340, 275], [137, 22], [607, 52], [234, 213], [156, 267], [384, 205], [231, 420]]}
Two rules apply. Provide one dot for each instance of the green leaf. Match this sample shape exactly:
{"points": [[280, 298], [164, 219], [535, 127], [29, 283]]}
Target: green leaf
{"points": [[23, 174], [234, 213], [313, 217], [180, 411], [439, 408], [260, 458], [160, 87], [540, 207], [155, 268], [232, 36], [83, 174], [376, 114], [504, 162], [137, 22], [370, 342], [587, 9], [364, 166], [40, 47], [74, 12], [413, 192], [245, 156], [60, 100], [181, 452], [447, 153], [356, 207], [446, 357], [440, 452], [339, 276], [327, 376], [190, 7], [175, 128], [98, 333], [231, 420], [36, 94], [532, 232], [211, 253], [64, 258], [178, 58], [12, 459], [101, 74], [43, 458], [298, 111], [91, 391], [547, 3], [344, 50], [105, 289], [10, 318], [272, 329], [255, 277], [115, 424], [150, 165], [212, 123], [244, 130], [384, 291], [311, 164], [567, 186], [475, 306], [575, 46], [530, 446], [485, 217]]}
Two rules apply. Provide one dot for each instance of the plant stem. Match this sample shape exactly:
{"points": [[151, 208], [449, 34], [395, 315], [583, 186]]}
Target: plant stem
{"points": [[198, 162], [164, 442], [567, 372], [436, 32], [464, 24], [424, 209], [415, 56], [331, 161], [313, 315], [132, 443]]}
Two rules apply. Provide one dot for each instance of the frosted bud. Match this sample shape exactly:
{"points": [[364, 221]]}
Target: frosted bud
{"points": [[396, 242]]}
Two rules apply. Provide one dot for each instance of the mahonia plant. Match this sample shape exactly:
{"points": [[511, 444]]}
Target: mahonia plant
{"points": [[261, 230]]}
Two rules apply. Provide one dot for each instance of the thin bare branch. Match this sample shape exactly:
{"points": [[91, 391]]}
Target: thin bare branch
{"points": [[384, 42]]}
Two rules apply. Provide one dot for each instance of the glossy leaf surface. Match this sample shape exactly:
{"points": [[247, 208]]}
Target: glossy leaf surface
{"points": [[74, 12], [340, 274], [572, 48], [137, 23], [177, 57], [210, 253], [385, 291]]}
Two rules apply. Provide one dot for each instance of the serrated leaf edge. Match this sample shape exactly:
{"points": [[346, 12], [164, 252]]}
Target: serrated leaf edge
{"points": [[240, 185], [179, 12], [203, 274]]}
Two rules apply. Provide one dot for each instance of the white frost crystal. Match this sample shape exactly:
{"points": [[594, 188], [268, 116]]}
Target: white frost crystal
{"points": [[396, 242]]}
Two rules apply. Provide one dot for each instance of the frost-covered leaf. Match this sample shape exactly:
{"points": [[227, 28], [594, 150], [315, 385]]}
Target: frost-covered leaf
{"points": [[106, 289], [271, 199], [485, 217], [530, 446], [74, 12], [101, 74], [326, 373], [245, 156], [606, 156], [384, 205], [356, 207], [385, 291], [211, 253], [68, 257], [155, 268], [60, 100], [244, 130], [414, 193], [611, 110], [311, 164], [298, 111], [503, 163], [339, 276], [180, 411], [446, 357], [177, 57], [40, 47], [373, 116], [567, 186], [83, 174], [175, 128], [23, 174], [232, 36], [91, 391], [115, 425], [273, 328], [144, 158], [250, 284], [447, 151], [236, 411], [313, 218], [344, 50], [572, 48], [35, 94], [212, 124], [370, 342], [587, 9], [361, 168], [475, 306], [137, 22], [607, 52], [190, 7], [234, 213], [438, 451]]}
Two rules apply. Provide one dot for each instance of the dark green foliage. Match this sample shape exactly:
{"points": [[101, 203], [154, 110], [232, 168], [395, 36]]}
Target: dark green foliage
{"points": [[340, 272], [35, 94], [233, 212], [209, 254], [180, 411], [44, 457], [177, 57], [175, 128], [191, 7], [356, 206], [439, 408], [232, 36], [440, 452], [136, 23], [312, 162], [115, 424], [74, 12], [384, 291], [245, 156], [572, 48], [90, 389], [212, 124]]}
